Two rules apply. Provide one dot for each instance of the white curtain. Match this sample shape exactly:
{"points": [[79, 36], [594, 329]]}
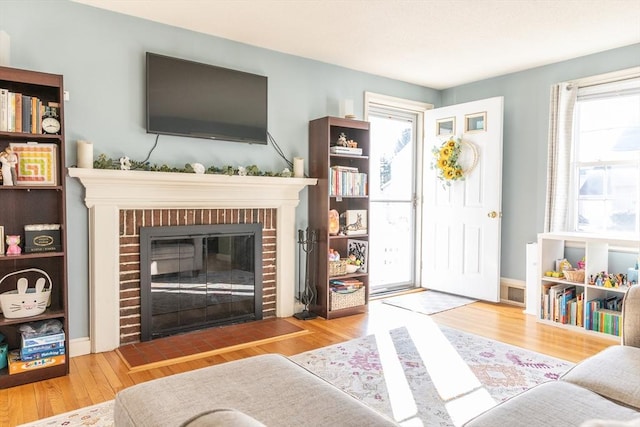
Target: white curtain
{"points": [[563, 100]]}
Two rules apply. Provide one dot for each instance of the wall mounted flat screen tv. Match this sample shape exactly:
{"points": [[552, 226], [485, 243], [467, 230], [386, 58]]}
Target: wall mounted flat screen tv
{"points": [[192, 99]]}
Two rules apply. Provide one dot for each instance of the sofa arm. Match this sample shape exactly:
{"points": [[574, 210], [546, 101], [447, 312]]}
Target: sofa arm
{"points": [[631, 317]]}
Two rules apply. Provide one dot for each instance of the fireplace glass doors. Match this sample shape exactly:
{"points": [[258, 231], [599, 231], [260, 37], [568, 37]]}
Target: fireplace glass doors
{"points": [[193, 277]]}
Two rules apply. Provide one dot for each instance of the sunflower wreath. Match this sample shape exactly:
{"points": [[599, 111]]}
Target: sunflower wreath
{"points": [[446, 161]]}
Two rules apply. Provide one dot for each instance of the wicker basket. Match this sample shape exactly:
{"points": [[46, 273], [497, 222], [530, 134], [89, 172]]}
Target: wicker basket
{"points": [[339, 301], [574, 275], [337, 268]]}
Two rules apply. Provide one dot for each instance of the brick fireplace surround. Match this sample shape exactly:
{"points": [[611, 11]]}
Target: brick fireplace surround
{"points": [[121, 201], [132, 219]]}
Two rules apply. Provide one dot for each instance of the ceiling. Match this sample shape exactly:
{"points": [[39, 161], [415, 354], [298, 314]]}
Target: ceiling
{"points": [[433, 43]]}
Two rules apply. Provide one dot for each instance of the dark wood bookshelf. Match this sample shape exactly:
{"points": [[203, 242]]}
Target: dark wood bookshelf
{"points": [[35, 204], [324, 133]]}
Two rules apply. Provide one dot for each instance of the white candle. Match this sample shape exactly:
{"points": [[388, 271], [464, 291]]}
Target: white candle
{"points": [[346, 108], [85, 154], [298, 167]]}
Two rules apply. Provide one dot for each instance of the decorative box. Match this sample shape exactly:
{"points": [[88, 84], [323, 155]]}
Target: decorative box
{"points": [[354, 222], [42, 238], [37, 163]]}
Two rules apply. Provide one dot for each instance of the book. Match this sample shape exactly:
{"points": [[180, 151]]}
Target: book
{"points": [[4, 112], [17, 111], [26, 113], [11, 113], [337, 149]]}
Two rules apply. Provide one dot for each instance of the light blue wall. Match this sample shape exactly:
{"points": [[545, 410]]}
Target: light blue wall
{"points": [[101, 55], [526, 124]]}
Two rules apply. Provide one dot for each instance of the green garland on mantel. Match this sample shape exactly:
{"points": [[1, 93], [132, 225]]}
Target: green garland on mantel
{"points": [[104, 162]]}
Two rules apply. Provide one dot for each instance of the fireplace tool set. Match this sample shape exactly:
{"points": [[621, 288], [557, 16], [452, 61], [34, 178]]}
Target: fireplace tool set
{"points": [[307, 240]]}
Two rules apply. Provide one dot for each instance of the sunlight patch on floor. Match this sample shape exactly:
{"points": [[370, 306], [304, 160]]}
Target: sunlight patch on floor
{"points": [[458, 387], [401, 398], [455, 382]]}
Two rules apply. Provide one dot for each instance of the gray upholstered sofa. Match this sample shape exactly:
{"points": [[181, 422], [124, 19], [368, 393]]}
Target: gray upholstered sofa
{"points": [[274, 391], [603, 390], [261, 390]]}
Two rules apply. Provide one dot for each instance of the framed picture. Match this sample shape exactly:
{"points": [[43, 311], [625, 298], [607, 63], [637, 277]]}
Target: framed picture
{"points": [[360, 249], [2, 243], [354, 222], [37, 163], [445, 126], [475, 122]]}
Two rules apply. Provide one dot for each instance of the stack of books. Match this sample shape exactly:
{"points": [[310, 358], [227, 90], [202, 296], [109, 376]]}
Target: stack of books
{"points": [[345, 286], [23, 113], [347, 181]]}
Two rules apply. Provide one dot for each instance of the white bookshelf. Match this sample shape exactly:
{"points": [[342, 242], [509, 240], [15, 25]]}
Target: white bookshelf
{"points": [[597, 250]]}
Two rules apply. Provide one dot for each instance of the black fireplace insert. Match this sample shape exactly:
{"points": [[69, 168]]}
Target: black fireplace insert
{"points": [[199, 276]]}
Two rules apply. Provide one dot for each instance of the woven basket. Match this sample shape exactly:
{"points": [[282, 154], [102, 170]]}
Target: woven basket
{"points": [[574, 275], [337, 268], [338, 300]]}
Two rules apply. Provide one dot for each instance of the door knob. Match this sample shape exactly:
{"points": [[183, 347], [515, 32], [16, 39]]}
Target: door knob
{"points": [[492, 214]]}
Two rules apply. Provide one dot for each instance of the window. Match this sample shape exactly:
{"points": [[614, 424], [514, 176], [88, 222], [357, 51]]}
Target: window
{"points": [[605, 172]]}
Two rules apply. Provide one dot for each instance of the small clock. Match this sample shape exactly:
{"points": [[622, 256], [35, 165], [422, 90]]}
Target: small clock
{"points": [[50, 125]]}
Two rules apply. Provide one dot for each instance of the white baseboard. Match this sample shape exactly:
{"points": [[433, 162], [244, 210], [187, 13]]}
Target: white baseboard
{"points": [[79, 346]]}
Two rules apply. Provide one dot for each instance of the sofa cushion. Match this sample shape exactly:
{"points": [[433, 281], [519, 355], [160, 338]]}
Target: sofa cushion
{"points": [[269, 388], [554, 403], [613, 373], [222, 418]]}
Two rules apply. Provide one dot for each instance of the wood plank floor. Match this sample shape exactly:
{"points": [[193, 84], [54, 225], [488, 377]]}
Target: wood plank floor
{"points": [[98, 377]]}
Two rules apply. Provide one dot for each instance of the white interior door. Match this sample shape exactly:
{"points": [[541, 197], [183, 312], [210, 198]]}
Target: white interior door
{"points": [[461, 223]]}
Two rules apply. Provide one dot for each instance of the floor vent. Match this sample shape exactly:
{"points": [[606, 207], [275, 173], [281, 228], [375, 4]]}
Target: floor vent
{"points": [[511, 293]]}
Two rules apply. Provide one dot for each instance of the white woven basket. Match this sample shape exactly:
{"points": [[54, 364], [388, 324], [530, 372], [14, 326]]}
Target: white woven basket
{"points": [[25, 301]]}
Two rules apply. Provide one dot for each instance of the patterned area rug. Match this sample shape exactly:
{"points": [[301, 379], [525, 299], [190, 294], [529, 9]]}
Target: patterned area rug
{"points": [[428, 302], [430, 375], [426, 375], [100, 415]]}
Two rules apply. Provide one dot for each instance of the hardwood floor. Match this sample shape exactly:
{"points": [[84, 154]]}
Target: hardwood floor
{"points": [[98, 377]]}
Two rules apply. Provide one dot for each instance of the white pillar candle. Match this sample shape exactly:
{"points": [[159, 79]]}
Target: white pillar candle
{"points": [[298, 167], [85, 154], [346, 109]]}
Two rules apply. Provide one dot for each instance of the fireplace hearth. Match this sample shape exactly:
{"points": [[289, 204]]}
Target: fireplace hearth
{"points": [[113, 196], [194, 277]]}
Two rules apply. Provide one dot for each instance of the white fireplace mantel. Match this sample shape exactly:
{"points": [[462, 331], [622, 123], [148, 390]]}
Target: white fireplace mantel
{"points": [[109, 191]]}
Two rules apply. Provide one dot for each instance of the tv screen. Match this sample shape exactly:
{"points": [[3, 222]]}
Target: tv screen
{"points": [[187, 98]]}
